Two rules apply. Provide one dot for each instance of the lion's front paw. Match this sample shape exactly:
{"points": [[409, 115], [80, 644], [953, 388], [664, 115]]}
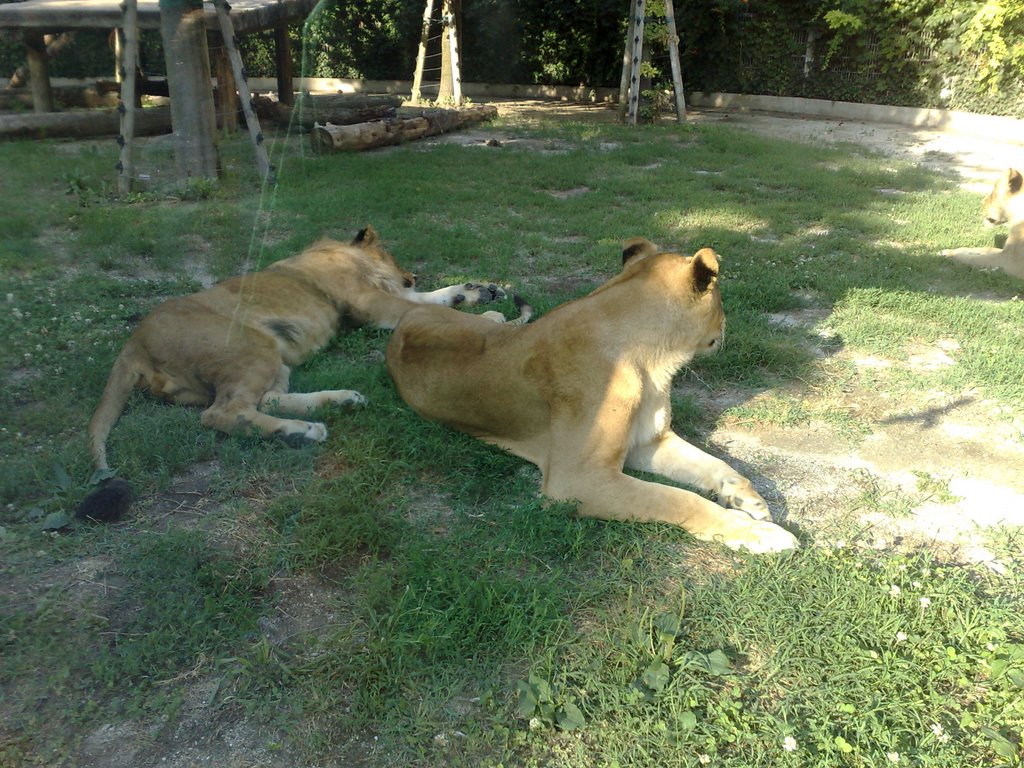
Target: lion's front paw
{"points": [[300, 433], [762, 538], [475, 293], [738, 493]]}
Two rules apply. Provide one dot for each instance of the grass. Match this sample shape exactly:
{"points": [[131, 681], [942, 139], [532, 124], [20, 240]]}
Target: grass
{"points": [[401, 595]]}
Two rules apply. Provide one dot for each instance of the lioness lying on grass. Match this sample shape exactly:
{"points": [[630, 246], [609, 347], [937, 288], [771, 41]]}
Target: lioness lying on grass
{"points": [[1003, 205], [586, 391]]}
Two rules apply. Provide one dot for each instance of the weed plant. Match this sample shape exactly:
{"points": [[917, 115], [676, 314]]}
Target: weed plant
{"points": [[400, 595]]}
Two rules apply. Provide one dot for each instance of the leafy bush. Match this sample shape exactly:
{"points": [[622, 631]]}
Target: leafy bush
{"points": [[958, 54]]}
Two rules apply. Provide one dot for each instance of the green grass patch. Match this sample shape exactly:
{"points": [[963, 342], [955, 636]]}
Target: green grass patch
{"points": [[401, 595]]}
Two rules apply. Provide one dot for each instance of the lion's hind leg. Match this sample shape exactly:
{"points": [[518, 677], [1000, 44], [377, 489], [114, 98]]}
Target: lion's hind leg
{"points": [[278, 398], [301, 403], [254, 377]]}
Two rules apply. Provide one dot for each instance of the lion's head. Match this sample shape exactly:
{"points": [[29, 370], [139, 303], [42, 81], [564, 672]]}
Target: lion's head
{"points": [[1006, 201]]}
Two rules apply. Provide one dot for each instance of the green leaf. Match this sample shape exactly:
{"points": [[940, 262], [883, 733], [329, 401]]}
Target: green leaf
{"points": [[999, 744], [668, 624], [570, 717], [541, 688], [696, 659], [100, 475], [61, 478], [1016, 677], [687, 720], [55, 521], [719, 663], [844, 745], [656, 676], [527, 699]]}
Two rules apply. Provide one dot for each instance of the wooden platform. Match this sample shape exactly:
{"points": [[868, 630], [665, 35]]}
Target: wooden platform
{"points": [[36, 18], [62, 15]]}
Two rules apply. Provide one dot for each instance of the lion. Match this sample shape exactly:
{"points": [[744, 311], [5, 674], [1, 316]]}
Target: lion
{"points": [[231, 347], [585, 392], [1004, 204]]}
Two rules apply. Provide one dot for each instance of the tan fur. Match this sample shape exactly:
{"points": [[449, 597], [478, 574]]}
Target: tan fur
{"points": [[1003, 205], [585, 391], [230, 348]]}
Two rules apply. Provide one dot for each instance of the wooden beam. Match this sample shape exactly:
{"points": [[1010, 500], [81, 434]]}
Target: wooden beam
{"points": [[283, 59], [227, 31], [183, 31], [673, 54], [38, 71], [129, 60]]}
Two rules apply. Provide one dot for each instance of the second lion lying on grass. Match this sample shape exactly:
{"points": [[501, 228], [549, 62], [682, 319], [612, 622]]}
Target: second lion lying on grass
{"points": [[586, 391], [230, 348]]}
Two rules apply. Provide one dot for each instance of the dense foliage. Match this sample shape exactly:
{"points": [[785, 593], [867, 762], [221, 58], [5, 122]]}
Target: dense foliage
{"points": [[959, 54]]}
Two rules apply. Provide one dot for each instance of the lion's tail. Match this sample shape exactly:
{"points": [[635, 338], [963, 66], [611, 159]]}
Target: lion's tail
{"points": [[525, 311], [124, 376], [114, 496]]}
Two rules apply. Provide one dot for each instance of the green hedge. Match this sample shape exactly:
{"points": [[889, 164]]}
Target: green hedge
{"points": [[958, 54]]}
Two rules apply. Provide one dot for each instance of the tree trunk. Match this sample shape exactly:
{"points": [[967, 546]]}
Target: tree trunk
{"points": [[340, 109], [183, 31], [82, 124], [415, 124], [446, 90]]}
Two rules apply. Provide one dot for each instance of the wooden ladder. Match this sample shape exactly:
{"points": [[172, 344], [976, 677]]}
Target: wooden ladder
{"points": [[632, 57], [450, 37]]}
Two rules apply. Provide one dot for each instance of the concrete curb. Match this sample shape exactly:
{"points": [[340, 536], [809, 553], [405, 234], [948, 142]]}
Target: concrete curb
{"points": [[1005, 129]]}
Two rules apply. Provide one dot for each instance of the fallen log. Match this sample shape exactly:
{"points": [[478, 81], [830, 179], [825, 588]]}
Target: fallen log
{"points": [[82, 125], [340, 109], [90, 96], [411, 124]]}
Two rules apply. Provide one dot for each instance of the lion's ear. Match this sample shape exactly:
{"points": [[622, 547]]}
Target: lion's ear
{"points": [[705, 269], [637, 248], [1014, 180], [365, 236]]}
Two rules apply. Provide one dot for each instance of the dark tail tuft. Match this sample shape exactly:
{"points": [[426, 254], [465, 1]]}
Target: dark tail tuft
{"points": [[106, 504], [525, 310]]}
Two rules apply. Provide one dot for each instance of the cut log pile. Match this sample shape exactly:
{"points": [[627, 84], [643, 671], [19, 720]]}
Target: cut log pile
{"points": [[408, 125], [82, 124], [340, 109], [337, 123]]}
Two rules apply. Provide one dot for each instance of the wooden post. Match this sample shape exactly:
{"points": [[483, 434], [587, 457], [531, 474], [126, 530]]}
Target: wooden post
{"points": [[453, 49], [126, 71], [627, 56], [283, 59], [183, 31], [636, 56], [227, 31], [227, 99], [421, 54], [450, 87], [38, 71], [673, 54]]}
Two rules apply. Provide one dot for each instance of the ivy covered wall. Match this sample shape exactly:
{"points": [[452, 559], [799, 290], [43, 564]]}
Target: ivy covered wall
{"points": [[957, 54]]}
